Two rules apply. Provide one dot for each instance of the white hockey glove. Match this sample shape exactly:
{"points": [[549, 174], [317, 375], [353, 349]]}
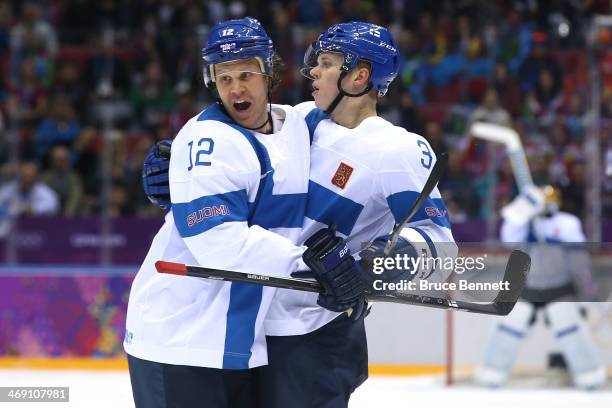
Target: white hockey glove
{"points": [[529, 204]]}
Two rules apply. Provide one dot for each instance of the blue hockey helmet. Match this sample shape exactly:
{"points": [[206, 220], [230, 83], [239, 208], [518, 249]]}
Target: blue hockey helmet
{"points": [[359, 41], [234, 40]]}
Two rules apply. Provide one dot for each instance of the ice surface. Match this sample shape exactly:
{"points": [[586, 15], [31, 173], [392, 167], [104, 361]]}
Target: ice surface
{"points": [[95, 389]]}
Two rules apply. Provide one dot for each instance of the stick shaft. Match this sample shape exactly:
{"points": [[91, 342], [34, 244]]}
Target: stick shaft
{"points": [[514, 148], [516, 273], [173, 268]]}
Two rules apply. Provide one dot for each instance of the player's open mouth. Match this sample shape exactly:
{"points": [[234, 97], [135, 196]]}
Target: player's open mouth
{"points": [[315, 89], [241, 105]]}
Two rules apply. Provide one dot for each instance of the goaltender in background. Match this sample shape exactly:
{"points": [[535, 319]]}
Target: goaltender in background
{"points": [[412, 265]]}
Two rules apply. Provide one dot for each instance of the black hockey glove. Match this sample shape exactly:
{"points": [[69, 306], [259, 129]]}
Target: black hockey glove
{"points": [[155, 174], [399, 265], [332, 265]]}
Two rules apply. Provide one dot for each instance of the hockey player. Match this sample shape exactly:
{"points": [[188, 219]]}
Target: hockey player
{"points": [[558, 270], [364, 175], [238, 178]]}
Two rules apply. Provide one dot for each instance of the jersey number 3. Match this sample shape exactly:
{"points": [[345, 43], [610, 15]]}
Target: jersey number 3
{"points": [[427, 157], [207, 149]]}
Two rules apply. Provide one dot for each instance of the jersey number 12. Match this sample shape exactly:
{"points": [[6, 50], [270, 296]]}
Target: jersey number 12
{"points": [[206, 150]]}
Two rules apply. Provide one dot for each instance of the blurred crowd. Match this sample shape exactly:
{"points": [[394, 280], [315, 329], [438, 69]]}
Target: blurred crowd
{"points": [[86, 88]]}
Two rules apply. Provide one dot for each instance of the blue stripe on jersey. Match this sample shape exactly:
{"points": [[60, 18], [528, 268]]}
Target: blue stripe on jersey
{"points": [[531, 236], [204, 213], [565, 332], [513, 332], [430, 244], [312, 120], [279, 211], [433, 209], [240, 326], [328, 207], [268, 211]]}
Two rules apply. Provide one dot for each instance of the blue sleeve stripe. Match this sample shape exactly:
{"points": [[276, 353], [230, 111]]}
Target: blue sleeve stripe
{"points": [[433, 209], [328, 207], [242, 313], [204, 213], [531, 234], [430, 244], [565, 332], [511, 331], [312, 120]]}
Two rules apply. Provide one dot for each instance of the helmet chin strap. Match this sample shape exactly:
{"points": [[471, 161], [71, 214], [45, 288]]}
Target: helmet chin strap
{"points": [[268, 119], [342, 93], [269, 116]]}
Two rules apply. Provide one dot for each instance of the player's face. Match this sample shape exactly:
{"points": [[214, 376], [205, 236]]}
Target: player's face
{"points": [[243, 89], [326, 74]]}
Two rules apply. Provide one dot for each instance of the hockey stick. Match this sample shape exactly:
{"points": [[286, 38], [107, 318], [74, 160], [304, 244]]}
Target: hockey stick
{"points": [[430, 184], [435, 175], [302, 284], [515, 274], [512, 142]]}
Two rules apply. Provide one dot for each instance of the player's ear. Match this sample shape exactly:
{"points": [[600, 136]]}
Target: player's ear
{"points": [[361, 76], [359, 79]]}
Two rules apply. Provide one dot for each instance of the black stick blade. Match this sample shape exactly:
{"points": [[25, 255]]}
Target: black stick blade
{"points": [[517, 269], [516, 272]]}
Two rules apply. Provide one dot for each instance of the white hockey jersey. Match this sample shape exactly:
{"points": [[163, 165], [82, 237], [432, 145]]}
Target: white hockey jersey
{"points": [[238, 203], [552, 264], [364, 180]]}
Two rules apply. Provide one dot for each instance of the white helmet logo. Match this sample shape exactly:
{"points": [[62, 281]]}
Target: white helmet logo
{"points": [[228, 47]]}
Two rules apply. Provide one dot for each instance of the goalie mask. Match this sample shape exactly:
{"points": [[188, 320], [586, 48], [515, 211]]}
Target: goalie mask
{"points": [[552, 199]]}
